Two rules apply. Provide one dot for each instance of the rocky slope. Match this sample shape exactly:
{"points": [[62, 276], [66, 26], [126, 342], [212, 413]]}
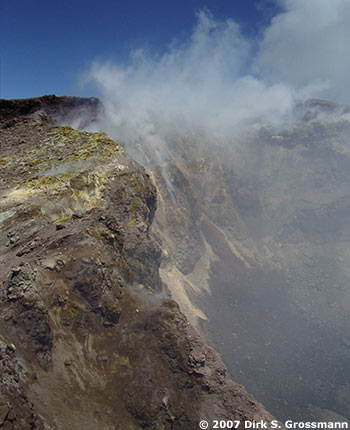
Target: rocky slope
{"points": [[89, 336]]}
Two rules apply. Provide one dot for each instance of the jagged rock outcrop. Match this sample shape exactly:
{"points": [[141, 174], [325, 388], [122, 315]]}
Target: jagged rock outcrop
{"points": [[89, 336]]}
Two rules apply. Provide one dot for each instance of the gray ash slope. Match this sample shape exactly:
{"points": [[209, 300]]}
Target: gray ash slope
{"points": [[265, 254]]}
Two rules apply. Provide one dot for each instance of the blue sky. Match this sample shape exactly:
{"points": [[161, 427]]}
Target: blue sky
{"points": [[45, 45]]}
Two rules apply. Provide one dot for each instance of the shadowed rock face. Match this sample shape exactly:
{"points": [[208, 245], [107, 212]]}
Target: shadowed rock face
{"points": [[89, 337], [263, 271]]}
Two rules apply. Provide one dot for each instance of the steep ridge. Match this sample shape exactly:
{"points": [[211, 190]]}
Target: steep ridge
{"points": [[89, 336]]}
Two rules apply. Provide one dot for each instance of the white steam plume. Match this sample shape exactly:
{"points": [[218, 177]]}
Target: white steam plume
{"points": [[220, 81]]}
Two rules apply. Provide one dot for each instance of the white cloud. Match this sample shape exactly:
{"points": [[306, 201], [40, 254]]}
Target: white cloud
{"points": [[308, 44], [219, 81]]}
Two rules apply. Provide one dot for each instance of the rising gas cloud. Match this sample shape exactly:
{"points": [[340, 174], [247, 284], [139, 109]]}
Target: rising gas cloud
{"points": [[220, 81]]}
